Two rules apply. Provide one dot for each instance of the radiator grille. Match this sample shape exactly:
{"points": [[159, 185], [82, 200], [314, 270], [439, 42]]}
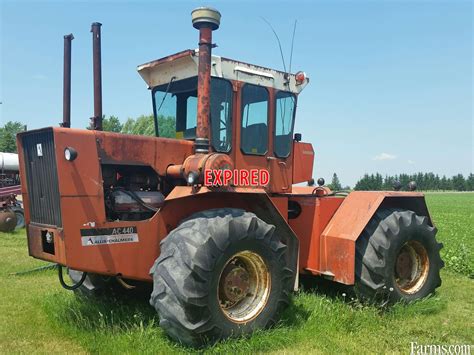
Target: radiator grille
{"points": [[42, 177]]}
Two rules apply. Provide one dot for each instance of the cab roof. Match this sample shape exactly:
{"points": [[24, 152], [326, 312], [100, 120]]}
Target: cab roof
{"points": [[183, 65]]}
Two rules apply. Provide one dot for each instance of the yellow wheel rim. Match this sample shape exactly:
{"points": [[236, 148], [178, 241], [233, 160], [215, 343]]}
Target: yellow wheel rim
{"points": [[244, 287], [411, 267]]}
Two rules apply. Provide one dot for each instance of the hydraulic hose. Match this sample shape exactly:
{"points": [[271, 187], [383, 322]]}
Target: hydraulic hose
{"points": [[66, 286], [135, 197]]}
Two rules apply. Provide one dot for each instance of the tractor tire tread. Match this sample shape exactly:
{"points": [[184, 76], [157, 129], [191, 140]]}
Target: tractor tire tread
{"points": [[374, 254], [182, 272]]}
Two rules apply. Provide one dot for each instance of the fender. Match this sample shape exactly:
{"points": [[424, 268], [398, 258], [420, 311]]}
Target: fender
{"points": [[340, 235], [184, 201]]}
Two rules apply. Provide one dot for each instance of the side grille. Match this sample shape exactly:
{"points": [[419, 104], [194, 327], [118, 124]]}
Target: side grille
{"points": [[42, 177]]}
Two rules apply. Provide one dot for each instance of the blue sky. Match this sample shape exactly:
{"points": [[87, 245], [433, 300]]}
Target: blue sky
{"points": [[391, 81]]}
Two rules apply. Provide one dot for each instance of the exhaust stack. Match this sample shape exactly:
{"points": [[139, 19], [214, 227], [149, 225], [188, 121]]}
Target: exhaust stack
{"points": [[67, 82], [206, 20], [96, 49]]}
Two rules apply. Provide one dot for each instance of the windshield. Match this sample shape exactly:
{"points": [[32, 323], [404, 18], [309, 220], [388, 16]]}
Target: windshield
{"points": [[175, 110]]}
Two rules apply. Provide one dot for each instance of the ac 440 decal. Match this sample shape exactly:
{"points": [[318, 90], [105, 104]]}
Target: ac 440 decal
{"points": [[101, 236]]}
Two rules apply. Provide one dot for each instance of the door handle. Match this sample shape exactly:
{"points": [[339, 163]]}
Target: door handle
{"points": [[283, 173]]}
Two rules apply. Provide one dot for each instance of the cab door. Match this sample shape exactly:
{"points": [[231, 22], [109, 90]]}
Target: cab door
{"points": [[252, 127], [280, 160], [255, 138]]}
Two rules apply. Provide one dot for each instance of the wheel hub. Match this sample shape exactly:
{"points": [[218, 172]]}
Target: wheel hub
{"points": [[244, 286], [236, 282], [404, 265], [411, 267]]}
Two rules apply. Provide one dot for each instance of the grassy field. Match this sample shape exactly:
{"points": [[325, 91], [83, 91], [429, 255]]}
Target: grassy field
{"points": [[37, 315]]}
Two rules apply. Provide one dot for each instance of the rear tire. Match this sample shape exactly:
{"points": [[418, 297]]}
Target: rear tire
{"points": [[221, 273], [397, 258]]}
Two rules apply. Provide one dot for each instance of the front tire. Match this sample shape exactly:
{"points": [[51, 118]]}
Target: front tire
{"points": [[397, 258], [220, 273], [20, 217]]}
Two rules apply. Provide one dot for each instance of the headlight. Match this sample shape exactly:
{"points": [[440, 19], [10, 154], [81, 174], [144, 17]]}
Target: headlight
{"points": [[70, 154], [192, 178]]}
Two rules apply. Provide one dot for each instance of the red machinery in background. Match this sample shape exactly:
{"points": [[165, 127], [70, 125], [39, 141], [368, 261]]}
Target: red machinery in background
{"points": [[11, 210]]}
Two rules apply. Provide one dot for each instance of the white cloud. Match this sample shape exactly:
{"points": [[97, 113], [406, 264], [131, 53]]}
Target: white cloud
{"points": [[411, 162], [384, 156], [39, 77]]}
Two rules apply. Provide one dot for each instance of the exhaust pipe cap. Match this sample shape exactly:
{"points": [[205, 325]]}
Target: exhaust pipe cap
{"points": [[206, 16], [95, 24]]}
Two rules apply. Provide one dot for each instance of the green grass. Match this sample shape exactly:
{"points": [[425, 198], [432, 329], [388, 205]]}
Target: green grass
{"points": [[37, 315], [453, 215]]}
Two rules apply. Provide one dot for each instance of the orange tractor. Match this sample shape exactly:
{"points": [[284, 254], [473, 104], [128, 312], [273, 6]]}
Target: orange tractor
{"points": [[120, 211]]}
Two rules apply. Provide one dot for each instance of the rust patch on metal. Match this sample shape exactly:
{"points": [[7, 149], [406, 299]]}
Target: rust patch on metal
{"points": [[167, 59]]}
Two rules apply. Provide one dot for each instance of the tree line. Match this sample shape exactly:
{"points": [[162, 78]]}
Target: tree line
{"points": [[143, 125], [424, 182]]}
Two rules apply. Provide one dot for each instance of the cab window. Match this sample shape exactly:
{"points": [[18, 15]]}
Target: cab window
{"points": [[284, 117], [175, 106], [175, 111], [254, 120]]}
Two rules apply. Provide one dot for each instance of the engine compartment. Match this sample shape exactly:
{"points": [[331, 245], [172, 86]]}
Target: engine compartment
{"points": [[132, 192]]}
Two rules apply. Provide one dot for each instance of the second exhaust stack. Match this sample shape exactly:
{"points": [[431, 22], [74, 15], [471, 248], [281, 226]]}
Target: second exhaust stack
{"points": [[206, 20], [67, 82], [96, 56]]}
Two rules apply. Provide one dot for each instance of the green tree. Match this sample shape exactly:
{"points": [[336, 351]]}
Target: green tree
{"points": [[459, 183], [363, 184], [470, 182], [111, 124], [8, 136], [444, 183], [144, 125], [389, 182], [167, 126], [378, 182], [436, 182], [335, 183], [404, 180]]}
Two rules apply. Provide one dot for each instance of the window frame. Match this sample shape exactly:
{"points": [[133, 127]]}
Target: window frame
{"points": [[275, 122], [155, 117], [242, 117], [231, 113]]}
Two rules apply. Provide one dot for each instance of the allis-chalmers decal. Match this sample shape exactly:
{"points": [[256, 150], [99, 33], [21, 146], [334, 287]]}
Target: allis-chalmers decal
{"points": [[236, 177], [101, 236]]}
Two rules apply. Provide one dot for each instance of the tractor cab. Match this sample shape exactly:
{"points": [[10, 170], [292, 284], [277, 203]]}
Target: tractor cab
{"points": [[251, 111]]}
